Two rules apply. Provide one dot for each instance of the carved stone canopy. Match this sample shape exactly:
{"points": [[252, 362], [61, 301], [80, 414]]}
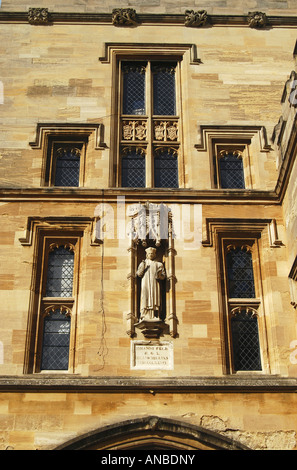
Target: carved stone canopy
{"points": [[151, 221]]}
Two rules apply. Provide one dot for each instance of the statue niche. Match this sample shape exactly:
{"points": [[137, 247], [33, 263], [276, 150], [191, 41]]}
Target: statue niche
{"points": [[152, 279]]}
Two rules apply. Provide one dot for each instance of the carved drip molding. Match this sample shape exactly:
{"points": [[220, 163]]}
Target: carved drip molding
{"points": [[118, 49], [43, 130], [207, 133], [211, 227], [35, 225]]}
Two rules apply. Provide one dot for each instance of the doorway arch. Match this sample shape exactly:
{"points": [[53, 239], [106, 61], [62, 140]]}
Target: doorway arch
{"points": [[149, 433]]}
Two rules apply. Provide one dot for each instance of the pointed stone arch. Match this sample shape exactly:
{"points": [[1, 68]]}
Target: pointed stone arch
{"points": [[150, 433]]}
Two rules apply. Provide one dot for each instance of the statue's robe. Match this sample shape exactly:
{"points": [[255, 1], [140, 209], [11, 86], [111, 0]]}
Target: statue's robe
{"points": [[151, 272]]}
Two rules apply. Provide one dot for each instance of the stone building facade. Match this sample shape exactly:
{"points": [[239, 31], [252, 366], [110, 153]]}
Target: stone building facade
{"points": [[148, 125]]}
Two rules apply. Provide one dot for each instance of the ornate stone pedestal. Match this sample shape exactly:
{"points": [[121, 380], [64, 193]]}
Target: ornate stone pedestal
{"points": [[153, 328]]}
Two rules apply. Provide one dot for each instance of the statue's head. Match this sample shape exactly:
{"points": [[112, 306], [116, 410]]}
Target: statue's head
{"points": [[151, 253]]}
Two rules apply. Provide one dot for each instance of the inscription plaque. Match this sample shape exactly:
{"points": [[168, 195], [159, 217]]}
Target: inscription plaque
{"points": [[152, 355]]}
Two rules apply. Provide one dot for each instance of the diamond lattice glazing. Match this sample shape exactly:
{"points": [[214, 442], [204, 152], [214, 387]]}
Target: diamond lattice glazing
{"points": [[164, 91], [60, 273], [67, 168], [56, 336], [240, 274], [133, 170], [133, 90], [245, 340], [231, 172], [166, 171]]}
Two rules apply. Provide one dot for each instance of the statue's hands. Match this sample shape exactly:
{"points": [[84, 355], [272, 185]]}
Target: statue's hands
{"points": [[141, 269]]}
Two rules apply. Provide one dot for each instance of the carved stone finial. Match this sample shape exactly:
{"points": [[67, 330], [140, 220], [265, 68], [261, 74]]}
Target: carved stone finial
{"points": [[195, 19], [38, 16], [124, 17], [257, 19]]}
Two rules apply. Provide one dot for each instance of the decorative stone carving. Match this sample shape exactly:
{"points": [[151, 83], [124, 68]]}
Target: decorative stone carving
{"points": [[195, 19], [38, 16], [166, 130], [257, 19], [62, 151], [134, 130], [64, 310], [246, 309], [124, 17], [149, 221], [127, 131]]}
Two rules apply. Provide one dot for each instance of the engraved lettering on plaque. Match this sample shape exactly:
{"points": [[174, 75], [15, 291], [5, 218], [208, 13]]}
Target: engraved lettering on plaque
{"points": [[148, 355]]}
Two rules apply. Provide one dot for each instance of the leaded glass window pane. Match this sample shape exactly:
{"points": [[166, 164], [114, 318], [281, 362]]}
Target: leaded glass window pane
{"points": [[231, 172], [60, 273], [240, 274], [166, 170], [134, 88], [245, 341], [56, 338], [133, 170], [164, 90], [67, 167]]}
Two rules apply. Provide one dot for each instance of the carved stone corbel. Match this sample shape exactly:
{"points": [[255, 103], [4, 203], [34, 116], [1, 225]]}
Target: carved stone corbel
{"points": [[38, 16], [124, 17], [195, 18], [257, 19]]}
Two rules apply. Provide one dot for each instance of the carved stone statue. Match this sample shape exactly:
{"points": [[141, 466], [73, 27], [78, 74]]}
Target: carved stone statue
{"points": [[150, 271]]}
